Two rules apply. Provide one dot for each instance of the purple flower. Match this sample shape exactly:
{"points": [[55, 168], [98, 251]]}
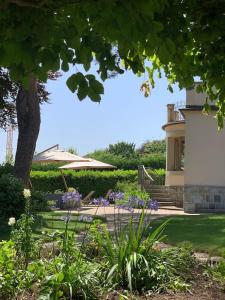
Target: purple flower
{"points": [[141, 203], [153, 204], [95, 202], [134, 201], [89, 219], [119, 196], [125, 206], [85, 219], [101, 201], [75, 196], [66, 218], [116, 196], [112, 196], [104, 202]]}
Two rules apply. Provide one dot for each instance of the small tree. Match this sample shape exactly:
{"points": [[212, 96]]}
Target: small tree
{"points": [[72, 150], [184, 38], [124, 149], [153, 147]]}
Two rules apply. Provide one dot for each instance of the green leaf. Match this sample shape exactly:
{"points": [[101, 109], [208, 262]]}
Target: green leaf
{"points": [[93, 96], [112, 270], [96, 86], [82, 89], [65, 66], [60, 277], [74, 80]]}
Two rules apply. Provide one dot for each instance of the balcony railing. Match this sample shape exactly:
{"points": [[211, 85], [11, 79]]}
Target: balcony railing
{"points": [[177, 107]]}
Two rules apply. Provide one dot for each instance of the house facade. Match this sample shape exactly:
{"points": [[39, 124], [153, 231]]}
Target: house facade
{"points": [[195, 162]]}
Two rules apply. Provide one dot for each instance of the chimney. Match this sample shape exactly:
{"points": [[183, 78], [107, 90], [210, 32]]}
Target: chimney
{"points": [[170, 113]]}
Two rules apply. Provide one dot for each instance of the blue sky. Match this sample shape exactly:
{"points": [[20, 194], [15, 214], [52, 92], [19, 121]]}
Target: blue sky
{"points": [[124, 114]]}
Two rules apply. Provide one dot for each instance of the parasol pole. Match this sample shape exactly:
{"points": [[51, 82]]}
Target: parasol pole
{"points": [[64, 180]]}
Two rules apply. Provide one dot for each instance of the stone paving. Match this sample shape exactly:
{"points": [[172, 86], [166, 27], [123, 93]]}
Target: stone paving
{"points": [[109, 211], [124, 215]]}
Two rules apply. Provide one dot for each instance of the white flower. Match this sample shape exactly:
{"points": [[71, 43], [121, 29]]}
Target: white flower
{"points": [[12, 221], [26, 193]]}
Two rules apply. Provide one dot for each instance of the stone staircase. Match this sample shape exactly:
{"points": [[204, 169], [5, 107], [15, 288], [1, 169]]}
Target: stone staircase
{"points": [[156, 189], [160, 193]]}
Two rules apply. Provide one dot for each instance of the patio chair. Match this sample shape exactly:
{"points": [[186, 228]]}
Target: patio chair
{"points": [[86, 200], [107, 194]]}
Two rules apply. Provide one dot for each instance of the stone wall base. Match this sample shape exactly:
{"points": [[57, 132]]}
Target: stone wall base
{"points": [[204, 198], [176, 194]]}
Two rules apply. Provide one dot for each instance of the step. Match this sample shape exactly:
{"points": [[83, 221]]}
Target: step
{"points": [[161, 204], [156, 187], [162, 199], [160, 195], [158, 190]]}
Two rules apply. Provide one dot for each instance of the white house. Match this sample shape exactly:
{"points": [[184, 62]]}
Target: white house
{"points": [[195, 161]]}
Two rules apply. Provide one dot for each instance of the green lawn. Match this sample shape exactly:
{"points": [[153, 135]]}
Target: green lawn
{"points": [[48, 222], [205, 232]]}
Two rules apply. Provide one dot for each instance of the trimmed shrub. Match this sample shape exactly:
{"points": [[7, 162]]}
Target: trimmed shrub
{"points": [[39, 201], [153, 161], [46, 166], [158, 176], [11, 196], [83, 181], [6, 169]]}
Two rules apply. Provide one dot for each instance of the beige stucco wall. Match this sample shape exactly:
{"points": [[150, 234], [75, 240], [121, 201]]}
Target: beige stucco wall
{"points": [[204, 151], [174, 129], [174, 178], [194, 98]]}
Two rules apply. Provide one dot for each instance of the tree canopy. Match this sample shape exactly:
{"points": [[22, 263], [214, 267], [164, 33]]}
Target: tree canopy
{"points": [[124, 149], [185, 38], [8, 93], [153, 147]]}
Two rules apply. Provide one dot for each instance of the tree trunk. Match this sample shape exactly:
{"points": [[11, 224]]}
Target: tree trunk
{"points": [[28, 118]]}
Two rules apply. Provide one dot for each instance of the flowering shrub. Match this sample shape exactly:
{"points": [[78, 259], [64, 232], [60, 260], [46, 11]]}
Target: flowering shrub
{"points": [[22, 233], [100, 202], [71, 200], [99, 261]]}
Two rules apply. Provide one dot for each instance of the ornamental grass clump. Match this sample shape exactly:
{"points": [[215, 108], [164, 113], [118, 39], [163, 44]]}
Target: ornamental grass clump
{"points": [[130, 261]]}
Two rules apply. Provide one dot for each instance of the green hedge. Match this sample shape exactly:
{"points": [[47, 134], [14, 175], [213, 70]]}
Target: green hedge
{"points": [[155, 161], [158, 176], [84, 181]]}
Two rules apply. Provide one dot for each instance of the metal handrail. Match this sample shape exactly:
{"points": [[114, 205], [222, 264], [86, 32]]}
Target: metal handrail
{"points": [[177, 107], [146, 173]]}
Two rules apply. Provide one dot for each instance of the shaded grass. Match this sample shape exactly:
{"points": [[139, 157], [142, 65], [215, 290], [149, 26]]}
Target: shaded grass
{"points": [[49, 222], [205, 232]]}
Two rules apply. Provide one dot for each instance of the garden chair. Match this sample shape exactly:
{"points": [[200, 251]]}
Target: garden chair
{"points": [[107, 194], [86, 200]]}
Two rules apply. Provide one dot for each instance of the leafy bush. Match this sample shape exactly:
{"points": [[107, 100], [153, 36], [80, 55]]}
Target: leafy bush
{"points": [[132, 189], [83, 181], [131, 260], [11, 196], [46, 166], [153, 161], [155, 146], [6, 169], [39, 201], [126, 150], [158, 176]]}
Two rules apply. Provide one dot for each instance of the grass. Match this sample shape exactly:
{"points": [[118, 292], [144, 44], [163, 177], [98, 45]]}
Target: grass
{"points": [[206, 233], [48, 222]]}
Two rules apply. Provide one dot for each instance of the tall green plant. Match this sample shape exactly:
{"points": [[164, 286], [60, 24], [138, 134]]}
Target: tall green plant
{"points": [[129, 253]]}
